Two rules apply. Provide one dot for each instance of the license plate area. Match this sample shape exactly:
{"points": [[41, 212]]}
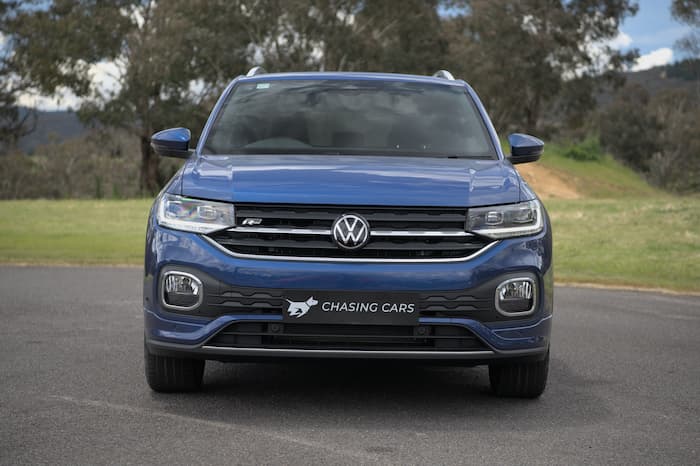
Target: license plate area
{"points": [[342, 307]]}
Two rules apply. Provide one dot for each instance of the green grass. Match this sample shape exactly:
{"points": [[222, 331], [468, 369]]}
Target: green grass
{"points": [[73, 231], [644, 242]]}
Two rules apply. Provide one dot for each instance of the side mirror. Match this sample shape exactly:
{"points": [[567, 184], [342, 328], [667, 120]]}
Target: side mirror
{"points": [[524, 148], [173, 142]]}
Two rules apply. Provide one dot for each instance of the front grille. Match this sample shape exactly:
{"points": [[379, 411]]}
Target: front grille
{"points": [[475, 304], [397, 233], [347, 337]]}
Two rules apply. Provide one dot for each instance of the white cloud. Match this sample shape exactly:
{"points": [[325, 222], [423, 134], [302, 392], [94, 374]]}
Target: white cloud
{"points": [[600, 53], [620, 41], [105, 78], [62, 100], [658, 57]]}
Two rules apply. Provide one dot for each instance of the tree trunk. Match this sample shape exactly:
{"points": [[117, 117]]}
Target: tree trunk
{"points": [[149, 167], [532, 116]]}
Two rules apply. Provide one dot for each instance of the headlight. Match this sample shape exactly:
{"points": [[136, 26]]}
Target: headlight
{"points": [[506, 221], [181, 213]]}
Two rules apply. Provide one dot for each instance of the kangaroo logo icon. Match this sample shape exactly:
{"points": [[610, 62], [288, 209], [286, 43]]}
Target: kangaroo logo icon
{"points": [[299, 309]]}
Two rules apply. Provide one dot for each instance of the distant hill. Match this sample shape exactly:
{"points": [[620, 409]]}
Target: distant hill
{"points": [[52, 126], [684, 74], [678, 75]]}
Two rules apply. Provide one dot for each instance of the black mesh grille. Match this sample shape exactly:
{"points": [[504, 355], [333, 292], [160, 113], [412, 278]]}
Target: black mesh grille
{"points": [[351, 337], [437, 233]]}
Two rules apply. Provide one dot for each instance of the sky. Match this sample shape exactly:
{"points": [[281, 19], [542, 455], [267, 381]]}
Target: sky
{"points": [[652, 31]]}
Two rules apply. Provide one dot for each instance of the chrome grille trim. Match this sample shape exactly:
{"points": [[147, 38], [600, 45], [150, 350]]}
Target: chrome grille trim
{"points": [[314, 231], [349, 259], [286, 231], [305, 232]]}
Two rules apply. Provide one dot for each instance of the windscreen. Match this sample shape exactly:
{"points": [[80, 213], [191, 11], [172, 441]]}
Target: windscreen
{"points": [[349, 117]]}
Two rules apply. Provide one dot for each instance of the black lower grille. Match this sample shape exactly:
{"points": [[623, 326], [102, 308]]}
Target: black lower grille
{"points": [[221, 299], [395, 232], [347, 337]]}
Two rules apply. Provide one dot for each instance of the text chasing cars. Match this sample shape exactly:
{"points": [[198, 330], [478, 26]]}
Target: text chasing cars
{"points": [[368, 307]]}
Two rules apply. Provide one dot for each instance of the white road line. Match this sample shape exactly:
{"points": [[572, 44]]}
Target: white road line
{"points": [[334, 449]]}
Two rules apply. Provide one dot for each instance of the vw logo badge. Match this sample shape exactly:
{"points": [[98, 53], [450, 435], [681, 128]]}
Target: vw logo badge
{"points": [[350, 231]]}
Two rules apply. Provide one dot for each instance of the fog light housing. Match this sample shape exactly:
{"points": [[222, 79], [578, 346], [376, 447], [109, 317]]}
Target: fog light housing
{"points": [[516, 297], [180, 290]]}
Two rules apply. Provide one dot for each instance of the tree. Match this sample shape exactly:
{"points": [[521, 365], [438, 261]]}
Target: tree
{"points": [[169, 58], [173, 57], [676, 165], [538, 61], [656, 136], [688, 12], [14, 121], [629, 130], [349, 35]]}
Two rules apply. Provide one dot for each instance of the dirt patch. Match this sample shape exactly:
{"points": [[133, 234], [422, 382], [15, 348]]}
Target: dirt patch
{"points": [[548, 183]]}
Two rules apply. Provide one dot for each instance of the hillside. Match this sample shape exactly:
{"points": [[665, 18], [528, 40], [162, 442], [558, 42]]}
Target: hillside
{"points": [[555, 176], [56, 126], [684, 74]]}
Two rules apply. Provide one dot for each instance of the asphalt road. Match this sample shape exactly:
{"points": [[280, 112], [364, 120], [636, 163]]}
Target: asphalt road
{"points": [[624, 387]]}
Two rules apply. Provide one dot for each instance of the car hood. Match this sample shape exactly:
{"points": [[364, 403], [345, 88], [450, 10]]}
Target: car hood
{"points": [[351, 180]]}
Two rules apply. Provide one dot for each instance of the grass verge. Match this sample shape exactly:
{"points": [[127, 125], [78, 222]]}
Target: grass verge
{"points": [[637, 242], [73, 231], [642, 241]]}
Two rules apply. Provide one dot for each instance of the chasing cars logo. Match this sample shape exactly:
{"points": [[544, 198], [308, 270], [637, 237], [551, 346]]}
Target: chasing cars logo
{"points": [[301, 308]]}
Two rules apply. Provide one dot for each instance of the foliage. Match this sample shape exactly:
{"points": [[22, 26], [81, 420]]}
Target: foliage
{"points": [[175, 56], [14, 122], [169, 60], [345, 35], [687, 69], [628, 130], [677, 165], [103, 164], [588, 150], [688, 12], [538, 62], [656, 135]]}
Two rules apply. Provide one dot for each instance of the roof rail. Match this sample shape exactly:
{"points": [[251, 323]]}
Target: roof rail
{"points": [[444, 74], [256, 70]]}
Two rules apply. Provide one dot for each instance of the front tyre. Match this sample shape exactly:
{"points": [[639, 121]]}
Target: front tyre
{"points": [[166, 374], [519, 380]]}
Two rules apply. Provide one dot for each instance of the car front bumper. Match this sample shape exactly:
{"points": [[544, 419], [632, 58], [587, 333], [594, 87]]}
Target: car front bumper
{"points": [[190, 334]]}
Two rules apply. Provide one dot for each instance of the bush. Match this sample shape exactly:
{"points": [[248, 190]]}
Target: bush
{"points": [[104, 163], [656, 135], [588, 150]]}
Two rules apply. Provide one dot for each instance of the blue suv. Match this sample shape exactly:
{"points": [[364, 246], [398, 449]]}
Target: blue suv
{"points": [[348, 215]]}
